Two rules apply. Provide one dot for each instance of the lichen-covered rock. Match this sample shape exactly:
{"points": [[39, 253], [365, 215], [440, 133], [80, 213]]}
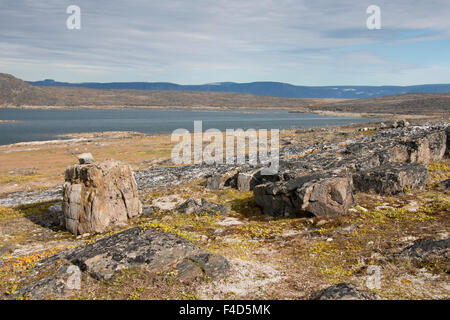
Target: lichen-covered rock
{"points": [[204, 207], [218, 181], [99, 196], [344, 291], [310, 195], [391, 179], [154, 249], [428, 251]]}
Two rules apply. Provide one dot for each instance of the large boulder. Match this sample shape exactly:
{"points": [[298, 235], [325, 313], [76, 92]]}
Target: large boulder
{"points": [[310, 195], [423, 149], [99, 196], [143, 247], [391, 178]]}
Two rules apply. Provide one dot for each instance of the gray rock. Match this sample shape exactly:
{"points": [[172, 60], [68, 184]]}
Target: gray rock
{"points": [[427, 250], [57, 285], [147, 210], [140, 247], [218, 181], [204, 207], [445, 185], [310, 195], [344, 291], [248, 180], [391, 179]]}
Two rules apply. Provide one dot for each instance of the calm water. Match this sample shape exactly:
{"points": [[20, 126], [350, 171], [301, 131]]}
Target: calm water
{"points": [[41, 125]]}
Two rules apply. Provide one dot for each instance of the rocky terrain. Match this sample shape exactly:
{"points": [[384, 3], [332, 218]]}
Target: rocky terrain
{"points": [[355, 213]]}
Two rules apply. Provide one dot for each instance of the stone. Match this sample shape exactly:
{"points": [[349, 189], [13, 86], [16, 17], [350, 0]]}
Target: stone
{"points": [[97, 197], [7, 248], [147, 210], [204, 207], [55, 209], [154, 249], [400, 123], [391, 179], [444, 185], [212, 265], [86, 158], [425, 251], [218, 181], [447, 151], [344, 291], [248, 180], [56, 285], [310, 195]]}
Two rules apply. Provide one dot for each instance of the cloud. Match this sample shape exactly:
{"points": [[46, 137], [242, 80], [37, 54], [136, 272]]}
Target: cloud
{"points": [[320, 42]]}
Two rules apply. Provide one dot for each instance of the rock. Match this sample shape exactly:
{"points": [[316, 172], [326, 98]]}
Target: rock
{"points": [[310, 195], [147, 210], [444, 185], [99, 196], [248, 180], [167, 203], [55, 209], [59, 284], [391, 179], [344, 291], [400, 124], [7, 248], [153, 249], [86, 158], [427, 250], [212, 265], [204, 207], [447, 151], [218, 181]]}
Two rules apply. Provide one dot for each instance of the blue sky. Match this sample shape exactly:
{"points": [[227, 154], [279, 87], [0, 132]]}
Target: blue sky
{"points": [[302, 42]]}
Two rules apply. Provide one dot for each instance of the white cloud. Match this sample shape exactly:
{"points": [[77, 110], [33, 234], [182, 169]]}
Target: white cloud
{"points": [[298, 41]]}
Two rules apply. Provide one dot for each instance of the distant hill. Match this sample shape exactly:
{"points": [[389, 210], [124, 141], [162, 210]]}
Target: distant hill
{"points": [[275, 89], [406, 104], [15, 92]]}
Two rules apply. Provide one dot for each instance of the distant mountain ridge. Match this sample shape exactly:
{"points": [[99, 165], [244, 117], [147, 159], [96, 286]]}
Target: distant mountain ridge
{"points": [[275, 89]]}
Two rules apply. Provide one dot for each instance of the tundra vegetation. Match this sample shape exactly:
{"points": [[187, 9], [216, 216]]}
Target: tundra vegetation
{"points": [[269, 257]]}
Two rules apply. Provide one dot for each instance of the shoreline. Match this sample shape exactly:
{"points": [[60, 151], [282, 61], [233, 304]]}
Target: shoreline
{"points": [[305, 110]]}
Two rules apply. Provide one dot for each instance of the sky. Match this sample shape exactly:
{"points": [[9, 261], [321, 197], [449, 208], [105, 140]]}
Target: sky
{"points": [[302, 42]]}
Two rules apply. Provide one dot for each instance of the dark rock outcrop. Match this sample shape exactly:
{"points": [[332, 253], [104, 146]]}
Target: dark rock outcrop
{"points": [[344, 291], [153, 249], [426, 251], [391, 179], [387, 162], [218, 181], [310, 195]]}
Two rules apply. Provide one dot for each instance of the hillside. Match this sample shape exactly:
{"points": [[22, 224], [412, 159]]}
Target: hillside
{"points": [[275, 89], [15, 92], [406, 104]]}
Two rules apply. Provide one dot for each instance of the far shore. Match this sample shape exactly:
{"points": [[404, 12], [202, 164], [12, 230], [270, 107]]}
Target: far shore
{"points": [[212, 109], [383, 116]]}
